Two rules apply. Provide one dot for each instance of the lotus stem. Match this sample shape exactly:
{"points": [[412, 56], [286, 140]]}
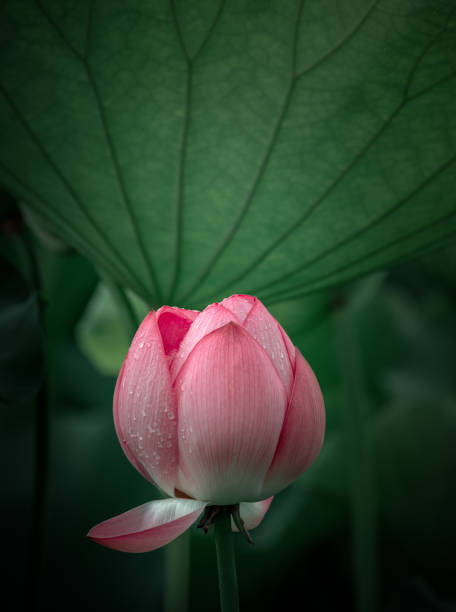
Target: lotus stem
{"points": [[177, 574], [226, 563], [41, 483], [361, 465], [125, 308]]}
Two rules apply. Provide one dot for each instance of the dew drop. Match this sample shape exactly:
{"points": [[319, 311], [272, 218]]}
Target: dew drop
{"points": [[141, 344]]}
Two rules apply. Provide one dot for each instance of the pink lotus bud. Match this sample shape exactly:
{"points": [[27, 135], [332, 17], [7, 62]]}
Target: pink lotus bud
{"points": [[218, 407]]}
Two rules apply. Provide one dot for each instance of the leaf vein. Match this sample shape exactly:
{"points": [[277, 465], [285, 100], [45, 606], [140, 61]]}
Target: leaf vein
{"points": [[68, 186], [280, 297], [341, 43], [57, 218], [373, 224], [261, 168], [83, 57], [337, 180], [116, 166]]}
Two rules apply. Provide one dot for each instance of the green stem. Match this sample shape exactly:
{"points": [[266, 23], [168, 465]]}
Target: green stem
{"points": [[229, 599], [177, 574], [361, 462], [40, 494], [41, 484], [126, 310]]}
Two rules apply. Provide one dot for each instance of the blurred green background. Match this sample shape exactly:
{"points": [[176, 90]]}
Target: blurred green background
{"points": [[391, 500], [180, 151]]}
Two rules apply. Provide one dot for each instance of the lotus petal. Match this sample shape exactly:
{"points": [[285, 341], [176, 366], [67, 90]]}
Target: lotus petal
{"points": [[149, 526], [231, 409]]}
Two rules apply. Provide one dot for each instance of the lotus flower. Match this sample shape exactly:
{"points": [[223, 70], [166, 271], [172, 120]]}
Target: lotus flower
{"points": [[214, 408]]}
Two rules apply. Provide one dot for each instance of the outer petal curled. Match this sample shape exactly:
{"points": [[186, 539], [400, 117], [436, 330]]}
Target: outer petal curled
{"points": [[145, 407], [252, 513], [231, 410], [302, 433], [149, 526]]}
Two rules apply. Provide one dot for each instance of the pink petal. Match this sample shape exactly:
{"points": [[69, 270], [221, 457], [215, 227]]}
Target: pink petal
{"points": [[302, 433], [267, 332], [173, 324], [145, 407], [231, 409], [291, 349], [130, 456], [252, 513], [212, 317], [239, 305], [147, 527]]}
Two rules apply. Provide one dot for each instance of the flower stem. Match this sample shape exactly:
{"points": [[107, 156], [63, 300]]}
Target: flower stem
{"points": [[229, 598], [124, 306], [41, 483], [40, 496], [176, 574], [362, 471]]}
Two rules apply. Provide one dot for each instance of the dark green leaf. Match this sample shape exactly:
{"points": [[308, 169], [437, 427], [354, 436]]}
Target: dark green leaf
{"points": [[197, 148]]}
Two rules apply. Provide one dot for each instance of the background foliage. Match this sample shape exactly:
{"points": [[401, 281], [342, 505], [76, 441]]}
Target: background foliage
{"points": [[177, 152], [159, 137]]}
